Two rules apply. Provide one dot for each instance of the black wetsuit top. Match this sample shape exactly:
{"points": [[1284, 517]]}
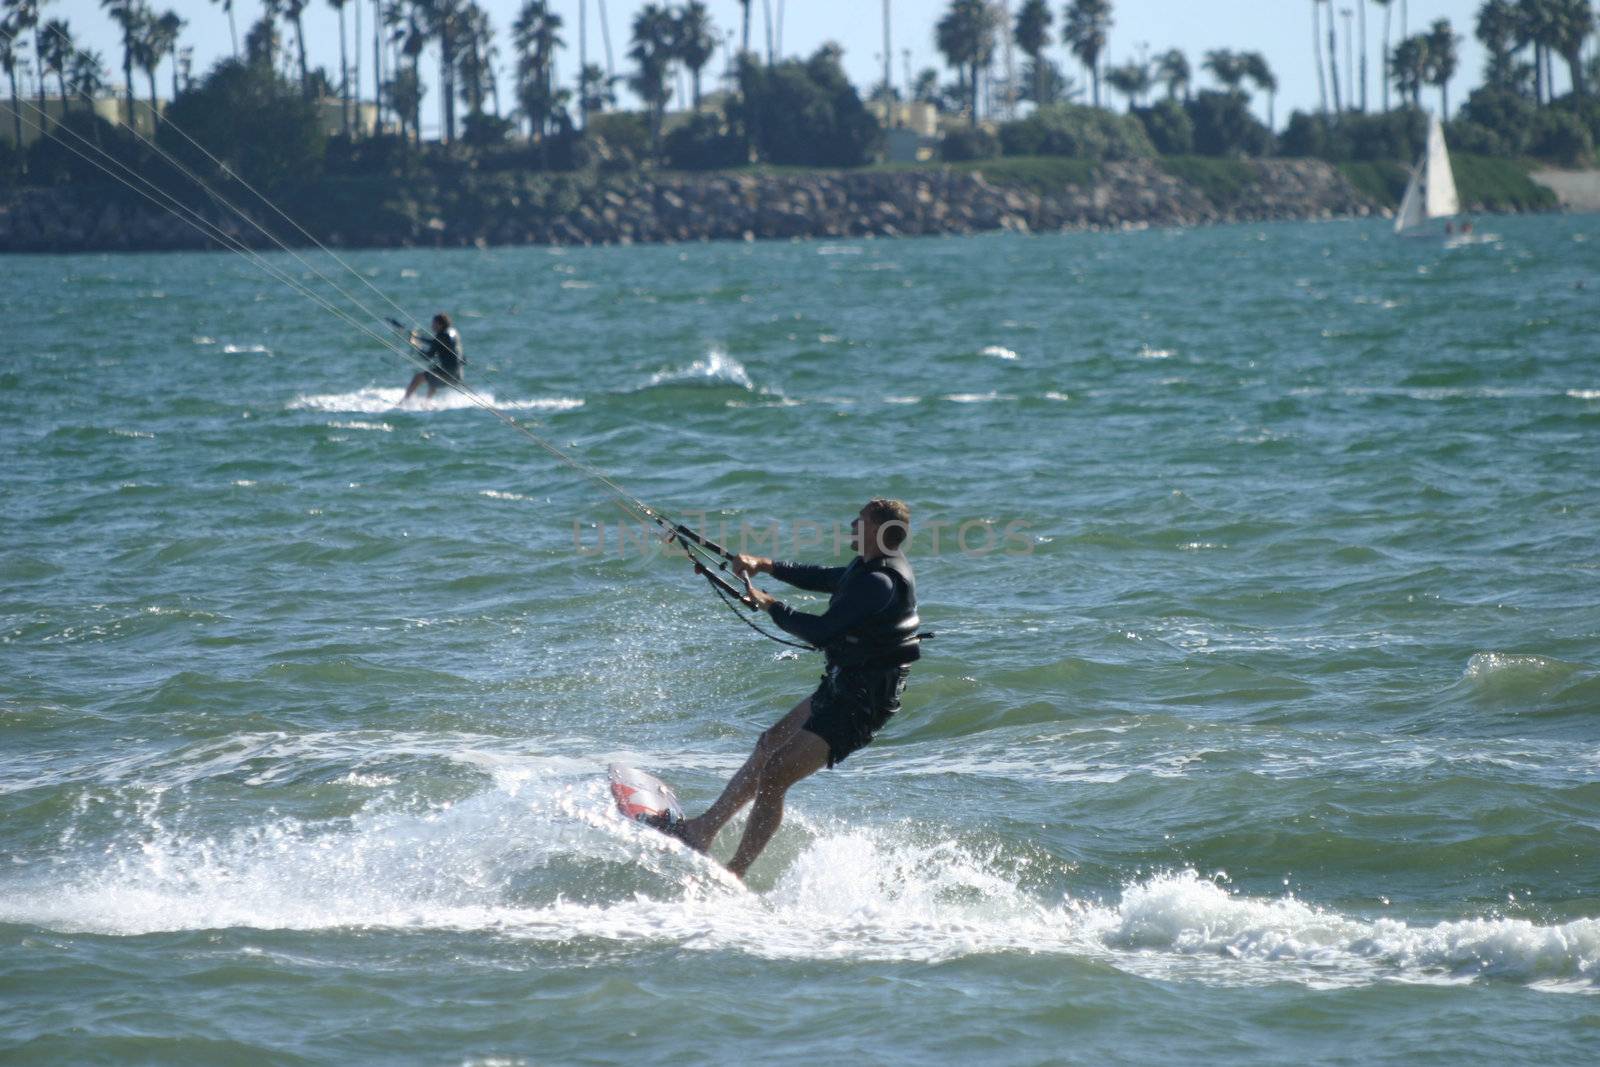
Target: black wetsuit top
{"points": [[444, 354], [871, 619]]}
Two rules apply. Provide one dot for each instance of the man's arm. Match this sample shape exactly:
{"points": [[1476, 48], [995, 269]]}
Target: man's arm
{"points": [[863, 596], [800, 575]]}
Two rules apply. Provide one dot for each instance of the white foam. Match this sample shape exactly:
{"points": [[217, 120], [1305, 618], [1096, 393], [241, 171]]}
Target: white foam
{"points": [[997, 352], [717, 367], [977, 398], [234, 350], [380, 401], [894, 891]]}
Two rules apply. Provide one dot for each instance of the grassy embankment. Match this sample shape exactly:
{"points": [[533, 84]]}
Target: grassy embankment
{"points": [[1496, 184]]}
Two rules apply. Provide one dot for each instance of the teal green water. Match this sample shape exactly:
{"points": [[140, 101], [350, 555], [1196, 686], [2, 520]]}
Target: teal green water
{"points": [[1267, 730]]}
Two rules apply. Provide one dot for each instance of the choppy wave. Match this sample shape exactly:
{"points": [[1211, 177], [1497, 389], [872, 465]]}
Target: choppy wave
{"points": [[542, 855], [382, 401], [716, 368]]}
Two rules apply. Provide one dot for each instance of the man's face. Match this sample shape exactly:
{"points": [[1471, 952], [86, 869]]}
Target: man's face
{"points": [[863, 532]]}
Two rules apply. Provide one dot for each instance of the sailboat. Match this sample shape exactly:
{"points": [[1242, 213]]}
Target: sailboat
{"points": [[1431, 193]]}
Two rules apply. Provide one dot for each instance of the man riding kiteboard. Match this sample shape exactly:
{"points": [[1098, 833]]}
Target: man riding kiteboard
{"points": [[869, 638]]}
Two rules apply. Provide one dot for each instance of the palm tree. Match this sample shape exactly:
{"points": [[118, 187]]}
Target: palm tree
{"points": [[1172, 70], [1571, 23], [233, 29], [1388, 16], [86, 76], [1316, 52], [1536, 27], [695, 41], [1085, 29], [1259, 71], [1032, 34], [1227, 66], [965, 36], [24, 17], [596, 91], [475, 57], [1333, 59], [744, 38], [294, 11], [405, 87], [9, 34], [1497, 28], [405, 91], [169, 27], [377, 66], [536, 34], [1408, 66], [1132, 79], [344, 67], [1361, 5], [652, 50], [127, 14], [1442, 61], [444, 21], [155, 39], [55, 55]]}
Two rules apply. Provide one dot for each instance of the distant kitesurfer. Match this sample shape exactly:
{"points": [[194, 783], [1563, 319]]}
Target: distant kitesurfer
{"points": [[869, 636], [443, 353]]}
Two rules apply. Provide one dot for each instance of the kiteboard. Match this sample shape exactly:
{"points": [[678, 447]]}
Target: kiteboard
{"points": [[644, 797]]}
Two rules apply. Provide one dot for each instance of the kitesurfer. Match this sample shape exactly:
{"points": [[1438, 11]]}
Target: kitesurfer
{"points": [[443, 353], [869, 638]]}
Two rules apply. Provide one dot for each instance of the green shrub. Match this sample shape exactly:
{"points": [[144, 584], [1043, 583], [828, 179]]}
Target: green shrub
{"points": [[482, 128], [705, 142], [1398, 134], [61, 160], [1464, 135], [1168, 126], [1078, 132], [1509, 115], [805, 113], [252, 119], [1224, 126], [1561, 137], [967, 143], [620, 140]]}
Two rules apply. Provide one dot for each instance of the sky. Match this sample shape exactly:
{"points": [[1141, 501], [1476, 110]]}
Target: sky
{"points": [[1279, 29]]}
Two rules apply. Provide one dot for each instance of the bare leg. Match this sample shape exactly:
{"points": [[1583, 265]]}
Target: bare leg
{"points": [[804, 755], [416, 383], [699, 832]]}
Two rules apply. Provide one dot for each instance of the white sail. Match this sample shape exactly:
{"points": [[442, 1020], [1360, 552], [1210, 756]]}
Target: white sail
{"points": [[1442, 198], [1431, 193]]}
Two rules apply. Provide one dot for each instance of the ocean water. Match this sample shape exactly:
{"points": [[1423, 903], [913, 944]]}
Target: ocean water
{"points": [[1262, 724]]}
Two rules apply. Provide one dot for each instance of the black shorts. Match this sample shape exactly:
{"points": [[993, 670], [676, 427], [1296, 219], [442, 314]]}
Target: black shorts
{"points": [[436, 379], [852, 704]]}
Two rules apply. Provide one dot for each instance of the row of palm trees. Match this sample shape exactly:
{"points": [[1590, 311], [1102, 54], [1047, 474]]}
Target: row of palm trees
{"points": [[666, 38], [148, 39], [1543, 28], [969, 33]]}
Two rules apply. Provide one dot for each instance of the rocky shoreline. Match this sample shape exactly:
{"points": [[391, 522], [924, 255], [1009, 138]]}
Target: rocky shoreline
{"points": [[585, 210]]}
